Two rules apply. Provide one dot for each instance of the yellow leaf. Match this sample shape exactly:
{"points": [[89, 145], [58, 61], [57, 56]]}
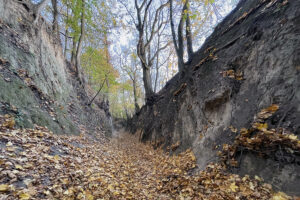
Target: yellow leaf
{"points": [[11, 149], [24, 196], [258, 178], [81, 196], [251, 186], [3, 188], [233, 129], [280, 196], [65, 181], [10, 123], [56, 157], [9, 144], [90, 197], [261, 127], [111, 187], [47, 192], [66, 192], [292, 137], [244, 131], [233, 187], [18, 167], [193, 156]]}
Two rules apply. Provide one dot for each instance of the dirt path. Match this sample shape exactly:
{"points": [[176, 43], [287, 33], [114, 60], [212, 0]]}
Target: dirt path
{"points": [[36, 164]]}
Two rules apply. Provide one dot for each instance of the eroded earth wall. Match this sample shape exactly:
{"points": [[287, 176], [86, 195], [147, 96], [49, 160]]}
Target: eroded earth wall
{"points": [[251, 61], [37, 85]]}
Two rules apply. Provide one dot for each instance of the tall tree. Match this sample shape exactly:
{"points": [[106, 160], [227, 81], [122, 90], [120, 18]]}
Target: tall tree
{"points": [[179, 40], [79, 45], [66, 28], [145, 39]]}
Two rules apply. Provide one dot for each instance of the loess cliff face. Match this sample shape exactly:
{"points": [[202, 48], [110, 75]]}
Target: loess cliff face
{"points": [[251, 61], [37, 85]]}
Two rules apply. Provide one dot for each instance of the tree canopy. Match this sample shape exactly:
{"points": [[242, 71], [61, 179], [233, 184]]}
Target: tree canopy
{"points": [[133, 46]]}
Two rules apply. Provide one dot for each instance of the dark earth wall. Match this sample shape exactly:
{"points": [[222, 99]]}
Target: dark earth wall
{"points": [[37, 85], [260, 43]]}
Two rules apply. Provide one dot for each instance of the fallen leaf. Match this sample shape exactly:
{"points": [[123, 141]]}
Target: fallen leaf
{"points": [[24, 196], [280, 196], [292, 137], [4, 188], [233, 187]]}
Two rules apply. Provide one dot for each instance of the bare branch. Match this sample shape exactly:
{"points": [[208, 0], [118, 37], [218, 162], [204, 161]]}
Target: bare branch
{"points": [[90, 103], [154, 23], [128, 11], [158, 50], [65, 35], [147, 8], [188, 32]]}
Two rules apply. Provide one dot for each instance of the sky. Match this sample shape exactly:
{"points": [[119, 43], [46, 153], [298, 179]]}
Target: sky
{"points": [[122, 37]]}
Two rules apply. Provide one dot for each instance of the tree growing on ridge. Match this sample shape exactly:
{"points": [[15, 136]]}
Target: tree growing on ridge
{"points": [[189, 21], [179, 40], [152, 22]]}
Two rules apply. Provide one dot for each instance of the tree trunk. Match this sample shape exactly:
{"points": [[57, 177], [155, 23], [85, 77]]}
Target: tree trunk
{"points": [[73, 55], [179, 42], [147, 82], [157, 72], [38, 8], [66, 33], [156, 79], [188, 27], [172, 25], [55, 27], [146, 69], [79, 46], [157, 65], [66, 42], [136, 105]]}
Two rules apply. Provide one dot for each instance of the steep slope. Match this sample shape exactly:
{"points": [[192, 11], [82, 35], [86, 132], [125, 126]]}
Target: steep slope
{"points": [[249, 63], [37, 86]]}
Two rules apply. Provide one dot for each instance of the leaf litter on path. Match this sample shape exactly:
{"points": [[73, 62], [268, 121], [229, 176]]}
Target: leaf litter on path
{"points": [[37, 164]]}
